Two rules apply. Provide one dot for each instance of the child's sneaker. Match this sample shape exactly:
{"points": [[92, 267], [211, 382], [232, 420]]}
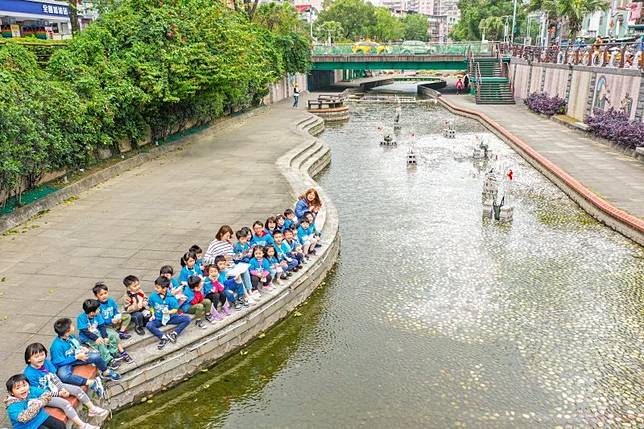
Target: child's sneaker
{"points": [[173, 336], [115, 376], [97, 412], [124, 335], [139, 330], [318, 245], [114, 363], [226, 309], [97, 387], [126, 357], [89, 426], [163, 341], [238, 305], [200, 323]]}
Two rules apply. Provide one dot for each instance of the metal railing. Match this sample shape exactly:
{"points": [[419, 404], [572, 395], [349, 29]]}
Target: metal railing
{"points": [[373, 48], [612, 55]]}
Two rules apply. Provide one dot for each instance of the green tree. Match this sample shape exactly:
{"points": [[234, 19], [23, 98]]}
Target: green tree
{"points": [[328, 30], [416, 27], [278, 18], [574, 11], [492, 27], [475, 11], [387, 26], [356, 18]]}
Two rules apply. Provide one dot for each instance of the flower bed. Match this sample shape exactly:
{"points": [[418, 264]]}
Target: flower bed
{"points": [[541, 103], [615, 126]]}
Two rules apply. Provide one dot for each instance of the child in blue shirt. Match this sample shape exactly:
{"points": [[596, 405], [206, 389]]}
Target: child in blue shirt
{"points": [[109, 311], [41, 374], [294, 244], [280, 220], [259, 269], [305, 235], [217, 292], [232, 285], [271, 225], [95, 332], [198, 251], [25, 406], [283, 253], [261, 237], [197, 303], [290, 220], [189, 268], [243, 250], [175, 288], [278, 268], [67, 352], [165, 308], [311, 218]]}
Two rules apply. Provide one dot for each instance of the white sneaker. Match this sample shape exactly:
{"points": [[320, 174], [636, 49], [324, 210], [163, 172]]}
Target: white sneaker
{"points": [[97, 412]]}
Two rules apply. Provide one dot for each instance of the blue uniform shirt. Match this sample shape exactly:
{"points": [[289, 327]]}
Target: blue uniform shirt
{"points": [[158, 304], [264, 240], [187, 272], [90, 329], [63, 351], [40, 377], [108, 310], [16, 408]]}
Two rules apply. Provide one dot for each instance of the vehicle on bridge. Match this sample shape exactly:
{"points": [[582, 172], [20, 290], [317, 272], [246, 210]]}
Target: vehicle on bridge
{"points": [[367, 47]]}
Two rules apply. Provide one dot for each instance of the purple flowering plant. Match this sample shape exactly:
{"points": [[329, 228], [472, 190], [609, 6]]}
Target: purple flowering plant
{"points": [[545, 105], [614, 125]]}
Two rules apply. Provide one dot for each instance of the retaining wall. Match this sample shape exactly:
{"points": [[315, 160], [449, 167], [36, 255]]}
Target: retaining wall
{"points": [[584, 88]]}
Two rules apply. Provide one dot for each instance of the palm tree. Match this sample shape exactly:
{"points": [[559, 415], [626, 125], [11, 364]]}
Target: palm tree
{"points": [[575, 10]]}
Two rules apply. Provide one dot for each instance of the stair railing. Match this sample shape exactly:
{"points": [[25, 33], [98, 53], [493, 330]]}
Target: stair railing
{"points": [[478, 81]]}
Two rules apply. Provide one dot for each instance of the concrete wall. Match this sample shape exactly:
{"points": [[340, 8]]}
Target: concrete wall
{"points": [[584, 88], [284, 88]]}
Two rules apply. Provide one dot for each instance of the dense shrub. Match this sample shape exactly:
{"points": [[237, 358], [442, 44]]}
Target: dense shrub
{"points": [[615, 126], [144, 66], [545, 105]]}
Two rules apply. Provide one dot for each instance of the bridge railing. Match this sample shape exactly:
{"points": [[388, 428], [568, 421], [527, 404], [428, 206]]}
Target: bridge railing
{"points": [[373, 48], [612, 55]]}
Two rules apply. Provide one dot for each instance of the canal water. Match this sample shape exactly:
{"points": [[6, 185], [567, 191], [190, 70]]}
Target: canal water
{"points": [[433, 316]]}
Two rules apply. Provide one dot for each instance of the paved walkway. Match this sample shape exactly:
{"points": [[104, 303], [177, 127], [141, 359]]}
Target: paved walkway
{"points": [[617, 178], [137, 222]]}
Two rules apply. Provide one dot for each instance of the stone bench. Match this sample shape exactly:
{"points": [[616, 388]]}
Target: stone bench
{"points": [[86, 371]]}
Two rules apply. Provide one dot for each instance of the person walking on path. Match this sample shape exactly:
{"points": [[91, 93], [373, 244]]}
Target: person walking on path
{"points": [[459, 86], [296, 96]]}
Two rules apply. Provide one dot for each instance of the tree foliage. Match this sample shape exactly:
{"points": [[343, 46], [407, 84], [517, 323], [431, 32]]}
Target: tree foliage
{"points": [[475, 12], [144, 66], [357, 19], [416, 27]]}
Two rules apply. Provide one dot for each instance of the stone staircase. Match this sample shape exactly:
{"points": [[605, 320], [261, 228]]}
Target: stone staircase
{"points": [[489, 83]]}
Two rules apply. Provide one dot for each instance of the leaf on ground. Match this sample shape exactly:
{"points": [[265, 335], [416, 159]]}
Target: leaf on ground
{"points": [[262, 335], [297, 314]]}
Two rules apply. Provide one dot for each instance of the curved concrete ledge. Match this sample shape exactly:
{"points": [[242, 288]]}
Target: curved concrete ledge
{"points": [[621, 221], [429, 89], [195, 349]]}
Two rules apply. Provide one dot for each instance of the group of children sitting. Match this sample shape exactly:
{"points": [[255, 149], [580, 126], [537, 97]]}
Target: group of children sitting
{"points": [[208, 288]]}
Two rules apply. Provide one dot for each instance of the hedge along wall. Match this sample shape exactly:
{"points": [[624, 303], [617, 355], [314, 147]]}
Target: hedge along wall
{"points": [[584, 88], [143, 71]]}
